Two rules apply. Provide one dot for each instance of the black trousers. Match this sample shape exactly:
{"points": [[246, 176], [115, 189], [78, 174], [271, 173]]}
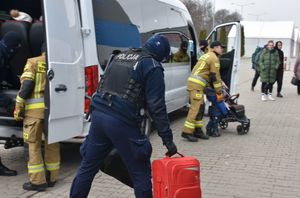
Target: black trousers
{"points": [[298, 89], [255, 78], [266, 88], [279, 79]]}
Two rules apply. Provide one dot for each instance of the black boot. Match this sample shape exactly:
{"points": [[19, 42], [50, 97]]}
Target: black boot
{"points": [[189, 137], [4, 171], [200, 134], [48, 179], [34, 187], [279, 95], [51, 184]]}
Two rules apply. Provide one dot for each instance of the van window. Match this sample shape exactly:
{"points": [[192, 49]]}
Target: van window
{"points": [[177, 40]]}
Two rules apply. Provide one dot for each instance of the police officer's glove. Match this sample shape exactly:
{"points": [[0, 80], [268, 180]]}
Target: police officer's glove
{"points": [[220, 97], [172, 149], [19, 111]]}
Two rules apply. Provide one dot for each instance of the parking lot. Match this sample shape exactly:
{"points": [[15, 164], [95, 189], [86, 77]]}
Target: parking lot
{"points": [[264, 163]]}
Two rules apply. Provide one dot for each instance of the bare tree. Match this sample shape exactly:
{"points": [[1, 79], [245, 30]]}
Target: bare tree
{"points": [[224, 16], [194, 7], [202, 14], [220, 16]]}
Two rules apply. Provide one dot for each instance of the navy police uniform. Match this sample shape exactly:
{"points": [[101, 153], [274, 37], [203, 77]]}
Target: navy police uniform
{"points": [[9, 45], [133, 81]]}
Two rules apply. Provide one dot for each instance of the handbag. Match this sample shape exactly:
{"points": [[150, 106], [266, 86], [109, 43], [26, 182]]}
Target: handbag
{"points": [[115, 167], [295, 81]]}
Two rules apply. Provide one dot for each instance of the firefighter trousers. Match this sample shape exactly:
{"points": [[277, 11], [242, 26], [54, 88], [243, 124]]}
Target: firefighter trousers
{"points": [[196, 112], [37, 164]]}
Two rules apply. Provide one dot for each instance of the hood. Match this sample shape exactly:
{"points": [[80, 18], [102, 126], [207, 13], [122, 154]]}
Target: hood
{"points": [[158, 46], [10, 44]]}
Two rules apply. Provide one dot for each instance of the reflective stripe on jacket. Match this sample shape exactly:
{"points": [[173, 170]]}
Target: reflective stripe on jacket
{"points": [[35, 70], [200, 77]]}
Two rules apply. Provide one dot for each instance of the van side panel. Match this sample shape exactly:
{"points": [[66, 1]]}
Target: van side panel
{"points": [[159, 17], [113, 29], [121, 24]]}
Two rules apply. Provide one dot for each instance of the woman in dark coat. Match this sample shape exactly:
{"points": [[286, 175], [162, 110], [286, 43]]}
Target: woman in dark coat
{"points": [[279, 76]]}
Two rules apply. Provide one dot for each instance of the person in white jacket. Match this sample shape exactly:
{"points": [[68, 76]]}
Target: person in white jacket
{"points": [[20, 16]]}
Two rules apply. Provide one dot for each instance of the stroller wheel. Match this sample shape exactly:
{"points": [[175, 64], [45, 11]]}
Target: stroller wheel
{"points": [[242, 130], [223, 124]]}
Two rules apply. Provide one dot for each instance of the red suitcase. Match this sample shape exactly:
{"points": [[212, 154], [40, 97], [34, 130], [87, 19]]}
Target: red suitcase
{"points": [[176, 177]]}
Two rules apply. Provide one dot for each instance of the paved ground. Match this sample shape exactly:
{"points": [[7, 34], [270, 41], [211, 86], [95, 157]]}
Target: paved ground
{"points": [[264, 163]]}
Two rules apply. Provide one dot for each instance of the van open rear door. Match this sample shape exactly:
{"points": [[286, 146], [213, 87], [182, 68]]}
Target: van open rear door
{"points": [[230, 35], [65, 95]]}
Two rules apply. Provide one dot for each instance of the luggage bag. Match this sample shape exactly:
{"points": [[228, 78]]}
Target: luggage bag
{"points": [[176, 177], [115, 167]]}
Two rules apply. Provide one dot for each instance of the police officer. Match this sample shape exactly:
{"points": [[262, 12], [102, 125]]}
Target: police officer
{"points": [[9, 45], [205, 73], [30, 106], [134, 81]]}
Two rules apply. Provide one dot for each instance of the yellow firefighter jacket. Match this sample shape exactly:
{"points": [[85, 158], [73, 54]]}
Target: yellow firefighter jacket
{"points": [[181, 56], [35, 70], [201, 77]]}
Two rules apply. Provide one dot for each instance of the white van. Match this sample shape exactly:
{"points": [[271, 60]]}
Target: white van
{"points": [[80, 36]]}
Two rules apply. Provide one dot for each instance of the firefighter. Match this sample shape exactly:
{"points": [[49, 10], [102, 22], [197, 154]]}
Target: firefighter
{"points": [[30, 106], [181, 55], [205, 73], [132, 82]]}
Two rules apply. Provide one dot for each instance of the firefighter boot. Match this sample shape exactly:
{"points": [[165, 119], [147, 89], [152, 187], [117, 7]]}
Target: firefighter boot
{"points": [[189, 137], [34, 187], [49, 182], [200, 134]]}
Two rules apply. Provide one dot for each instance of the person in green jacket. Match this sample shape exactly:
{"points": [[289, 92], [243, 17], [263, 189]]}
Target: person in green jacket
{"points": [[268, 64]]}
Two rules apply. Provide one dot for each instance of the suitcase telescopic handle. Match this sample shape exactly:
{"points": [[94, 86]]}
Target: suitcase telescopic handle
{"points": [[178, 154]]}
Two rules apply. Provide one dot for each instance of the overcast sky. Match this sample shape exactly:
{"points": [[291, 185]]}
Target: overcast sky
{"points": [[268, 10]]}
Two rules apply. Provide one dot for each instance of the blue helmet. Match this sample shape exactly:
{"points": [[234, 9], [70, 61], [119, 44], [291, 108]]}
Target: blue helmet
{"points": [[158, 46]]}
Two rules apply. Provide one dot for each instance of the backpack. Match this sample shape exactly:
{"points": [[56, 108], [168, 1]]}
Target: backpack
{"points": [[255, 57]]}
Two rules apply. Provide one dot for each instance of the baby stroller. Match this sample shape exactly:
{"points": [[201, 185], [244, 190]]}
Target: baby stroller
{"points": [[225, 111]]}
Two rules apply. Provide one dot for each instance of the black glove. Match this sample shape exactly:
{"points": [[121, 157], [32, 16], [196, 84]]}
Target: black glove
{"points": [[172, 149]]}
